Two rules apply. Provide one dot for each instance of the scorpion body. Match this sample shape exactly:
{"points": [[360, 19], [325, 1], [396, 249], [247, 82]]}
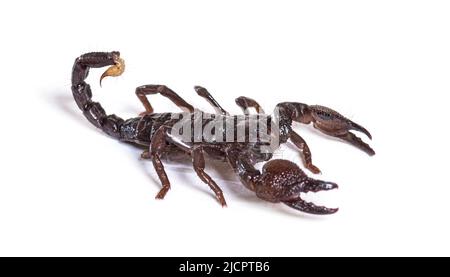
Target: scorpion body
{"points": [[279, 181]]}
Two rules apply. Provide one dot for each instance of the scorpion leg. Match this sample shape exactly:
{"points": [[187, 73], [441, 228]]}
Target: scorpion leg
{"points": [[199, 167], [157, 147], [143, 91], [304, 149], [244, 103], [201, 91]]}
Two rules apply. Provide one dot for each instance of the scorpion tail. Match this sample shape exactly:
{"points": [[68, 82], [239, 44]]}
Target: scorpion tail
{"points": [[93, 111]]}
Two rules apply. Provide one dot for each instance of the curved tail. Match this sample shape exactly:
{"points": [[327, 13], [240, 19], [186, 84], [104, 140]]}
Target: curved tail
{"points": [[93, 111]]}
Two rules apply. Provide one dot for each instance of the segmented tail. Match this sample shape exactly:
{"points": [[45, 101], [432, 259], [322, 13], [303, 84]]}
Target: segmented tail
{"points": [[82, 93]]}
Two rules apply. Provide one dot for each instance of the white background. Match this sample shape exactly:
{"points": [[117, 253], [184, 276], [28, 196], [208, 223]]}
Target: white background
{"points": [[68, 190]]}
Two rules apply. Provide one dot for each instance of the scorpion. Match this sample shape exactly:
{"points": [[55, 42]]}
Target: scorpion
{"points": [[279, 181]]}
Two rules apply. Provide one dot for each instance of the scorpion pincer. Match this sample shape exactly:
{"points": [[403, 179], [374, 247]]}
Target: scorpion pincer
{"points": [[278, 181]]}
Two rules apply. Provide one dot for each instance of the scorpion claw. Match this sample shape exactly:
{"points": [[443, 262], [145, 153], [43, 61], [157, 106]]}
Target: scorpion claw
{"points": [[359, 128], [318, 185], [115, 70], [312, 185], [334, 124], [310, 208], [356, 141], [283, 181]]}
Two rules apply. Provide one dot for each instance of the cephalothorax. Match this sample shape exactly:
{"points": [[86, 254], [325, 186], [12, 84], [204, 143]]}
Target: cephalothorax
{"points": [[279, 180]]}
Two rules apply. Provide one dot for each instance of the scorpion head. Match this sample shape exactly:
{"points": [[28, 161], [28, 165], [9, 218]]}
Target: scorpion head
{"points": [[115, 70], [283, 181]]}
